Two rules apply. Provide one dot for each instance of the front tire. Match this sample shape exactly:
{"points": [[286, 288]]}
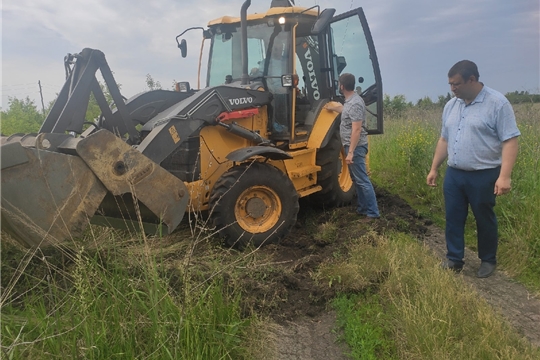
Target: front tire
{"points": [[254, 203]]}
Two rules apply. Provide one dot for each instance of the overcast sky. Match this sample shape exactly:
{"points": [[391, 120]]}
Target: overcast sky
{"points": [[417, 41]]}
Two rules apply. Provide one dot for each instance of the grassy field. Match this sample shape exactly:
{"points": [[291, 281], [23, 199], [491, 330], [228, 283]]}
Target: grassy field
{"points": [[126, 297], [115, 295], [400, 162]]}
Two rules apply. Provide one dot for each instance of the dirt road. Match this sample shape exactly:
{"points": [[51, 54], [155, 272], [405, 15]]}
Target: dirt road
{"points": [[513, 300]]}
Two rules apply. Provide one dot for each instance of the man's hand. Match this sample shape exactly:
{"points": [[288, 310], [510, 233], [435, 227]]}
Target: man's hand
{"points": [[330, 107], [432, 178], [349, 159], [509, 155], [502, 186], [441, 152]]}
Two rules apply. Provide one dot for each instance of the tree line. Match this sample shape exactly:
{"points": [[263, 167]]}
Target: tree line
{"points": [[398, 104], [23, 115]]}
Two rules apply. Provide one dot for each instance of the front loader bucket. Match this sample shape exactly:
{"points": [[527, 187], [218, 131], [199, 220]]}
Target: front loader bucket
{"points": [[47, 197], [124, 170]]}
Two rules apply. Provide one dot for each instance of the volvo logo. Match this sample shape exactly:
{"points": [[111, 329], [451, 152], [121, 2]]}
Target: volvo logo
{"points": [[241, 101], [312, 75]]}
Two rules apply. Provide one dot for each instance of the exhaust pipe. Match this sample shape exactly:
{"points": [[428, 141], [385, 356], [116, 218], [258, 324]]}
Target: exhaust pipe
{"points": [[243, 25]]}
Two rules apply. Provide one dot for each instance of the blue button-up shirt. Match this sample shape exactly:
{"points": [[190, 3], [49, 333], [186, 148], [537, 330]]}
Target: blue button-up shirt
{"points": [[475, 132]]}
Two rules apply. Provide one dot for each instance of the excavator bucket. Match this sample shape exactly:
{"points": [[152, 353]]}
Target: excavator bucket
{"points": [[49, 197]]}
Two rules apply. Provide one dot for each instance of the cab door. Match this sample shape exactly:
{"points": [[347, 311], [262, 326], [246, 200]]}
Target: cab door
{"points": [[351, 50]]}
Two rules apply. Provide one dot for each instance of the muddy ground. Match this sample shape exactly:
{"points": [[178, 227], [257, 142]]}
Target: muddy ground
{"points": [[306, 326]]}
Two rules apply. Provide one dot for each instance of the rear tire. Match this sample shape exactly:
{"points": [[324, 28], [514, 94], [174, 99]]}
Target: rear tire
{"points": [[253, 204], [334, 177]]}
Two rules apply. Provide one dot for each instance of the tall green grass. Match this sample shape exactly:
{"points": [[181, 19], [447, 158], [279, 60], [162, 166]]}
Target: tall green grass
{"points": [[112, 303], [400, 161]]}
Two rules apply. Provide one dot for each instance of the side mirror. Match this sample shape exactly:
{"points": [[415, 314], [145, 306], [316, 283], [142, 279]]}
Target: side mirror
{"points": [[183, 47], [323, 21], [341, 64]]}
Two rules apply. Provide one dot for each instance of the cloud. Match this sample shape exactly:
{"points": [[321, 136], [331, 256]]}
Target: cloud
{"points": [[416, 41]]}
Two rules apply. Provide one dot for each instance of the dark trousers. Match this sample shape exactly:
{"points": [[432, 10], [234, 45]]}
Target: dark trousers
{"points": [[474, 188]]}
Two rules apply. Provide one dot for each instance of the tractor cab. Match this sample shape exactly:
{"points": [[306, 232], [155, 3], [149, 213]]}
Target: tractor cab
{"points": [[297, 55]]}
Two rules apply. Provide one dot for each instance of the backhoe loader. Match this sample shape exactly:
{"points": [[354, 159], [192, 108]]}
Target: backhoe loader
{"points": [[242, 150]]}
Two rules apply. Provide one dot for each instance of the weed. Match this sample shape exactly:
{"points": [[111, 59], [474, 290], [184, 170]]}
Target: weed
{"points": [[366, 326], [326, 234]]}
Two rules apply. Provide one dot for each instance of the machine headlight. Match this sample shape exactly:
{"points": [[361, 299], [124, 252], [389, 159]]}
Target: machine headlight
{"points": [[289, 80], [183, 86]]}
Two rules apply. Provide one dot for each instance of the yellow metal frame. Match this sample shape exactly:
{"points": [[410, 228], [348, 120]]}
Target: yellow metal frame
{"points": [[294, 89], [216, 143], [320, 129]]}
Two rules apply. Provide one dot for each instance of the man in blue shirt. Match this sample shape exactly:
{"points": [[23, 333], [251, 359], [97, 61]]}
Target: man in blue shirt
{"points": [[480, 139]]}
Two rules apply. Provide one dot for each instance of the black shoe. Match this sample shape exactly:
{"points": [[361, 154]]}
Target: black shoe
{"points": [[486, 269], [452, 265]]}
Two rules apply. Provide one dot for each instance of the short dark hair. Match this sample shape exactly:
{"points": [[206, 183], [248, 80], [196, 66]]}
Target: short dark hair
{"points": [[465, 68], [347, 80]]}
